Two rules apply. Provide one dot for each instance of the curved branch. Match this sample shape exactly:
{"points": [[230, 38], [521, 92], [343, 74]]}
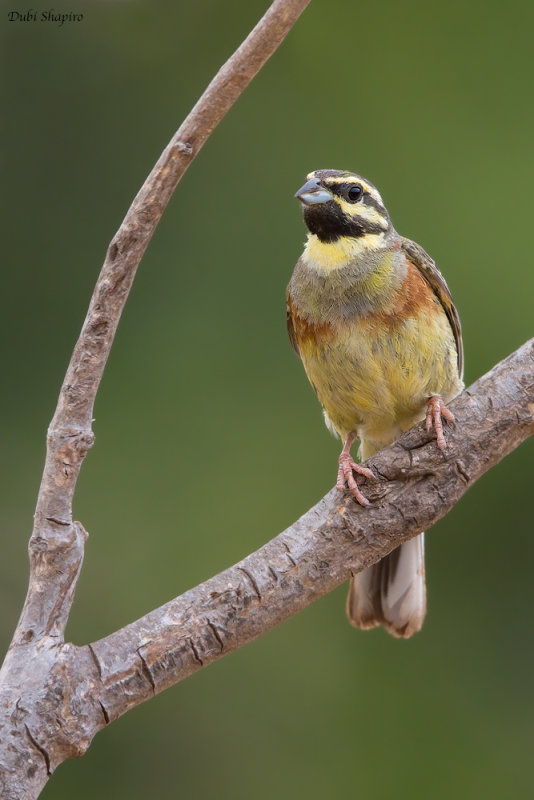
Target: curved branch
{"points": [[46, 686], [55, 697], [56, 545], [417, 485]]}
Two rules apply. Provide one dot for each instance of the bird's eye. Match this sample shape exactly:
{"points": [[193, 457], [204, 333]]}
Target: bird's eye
{"points": [[354, 193]]}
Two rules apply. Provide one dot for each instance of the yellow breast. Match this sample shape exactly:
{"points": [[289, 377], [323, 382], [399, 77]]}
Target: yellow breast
{"points": [[373, 374]]}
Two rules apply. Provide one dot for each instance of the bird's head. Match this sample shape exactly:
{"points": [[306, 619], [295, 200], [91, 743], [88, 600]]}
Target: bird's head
{"points": [[339, 204]]}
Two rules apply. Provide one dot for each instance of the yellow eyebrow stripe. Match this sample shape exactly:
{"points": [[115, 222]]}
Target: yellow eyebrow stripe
{"points": [[344, 179], [350, 179]]}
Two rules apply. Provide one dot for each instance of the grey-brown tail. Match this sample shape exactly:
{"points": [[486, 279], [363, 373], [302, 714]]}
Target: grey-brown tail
{"points": [[391, 593]]}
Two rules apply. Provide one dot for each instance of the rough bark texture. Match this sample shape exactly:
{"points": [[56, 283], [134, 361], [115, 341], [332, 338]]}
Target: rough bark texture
{"points": [[54, 696], [416, 485]]}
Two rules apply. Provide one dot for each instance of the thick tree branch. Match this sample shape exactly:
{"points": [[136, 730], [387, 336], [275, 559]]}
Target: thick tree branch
{"points": [[54, 696], [417, 485], [74, 692]]}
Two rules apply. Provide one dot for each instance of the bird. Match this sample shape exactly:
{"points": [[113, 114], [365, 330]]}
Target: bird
{"points": [[380, 339]]}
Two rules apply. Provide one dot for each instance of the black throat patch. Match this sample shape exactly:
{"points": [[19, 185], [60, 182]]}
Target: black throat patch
{"points": [[328, 222]]}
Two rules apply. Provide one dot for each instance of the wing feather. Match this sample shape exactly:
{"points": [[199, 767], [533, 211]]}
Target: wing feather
{"points": [[436, 281], [290, 325]]}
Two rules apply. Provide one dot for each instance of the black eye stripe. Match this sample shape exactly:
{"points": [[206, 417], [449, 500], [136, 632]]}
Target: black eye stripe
{"points": [[370, 201], [342, 190]]}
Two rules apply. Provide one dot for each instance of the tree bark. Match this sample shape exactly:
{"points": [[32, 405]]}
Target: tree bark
{"points": [[416, 485], [55, 696]]}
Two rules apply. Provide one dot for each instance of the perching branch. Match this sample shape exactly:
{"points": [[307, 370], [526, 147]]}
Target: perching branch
{"points": [[417, 485], [82, 689], [54, 696]]}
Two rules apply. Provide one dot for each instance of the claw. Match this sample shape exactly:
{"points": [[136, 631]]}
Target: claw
{"points": [[347, 466], [435, 410]]}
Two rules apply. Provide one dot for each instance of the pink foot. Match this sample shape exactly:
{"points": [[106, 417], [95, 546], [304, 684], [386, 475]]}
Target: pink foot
{"points": [[435, 410], [347, 466]]}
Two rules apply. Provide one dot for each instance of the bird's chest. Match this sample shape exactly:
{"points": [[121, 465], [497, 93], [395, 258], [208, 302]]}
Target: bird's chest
{"points": [[376, 370]]}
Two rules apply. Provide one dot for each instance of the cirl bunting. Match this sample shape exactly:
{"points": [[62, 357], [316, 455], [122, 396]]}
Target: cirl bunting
{"points": [[373, 322]]}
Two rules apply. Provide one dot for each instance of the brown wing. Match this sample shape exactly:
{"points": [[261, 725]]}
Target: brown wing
{"points": [[436, 281], [290, 326]]}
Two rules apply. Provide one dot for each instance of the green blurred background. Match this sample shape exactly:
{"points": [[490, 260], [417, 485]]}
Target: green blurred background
{"points": [[432, 102]]}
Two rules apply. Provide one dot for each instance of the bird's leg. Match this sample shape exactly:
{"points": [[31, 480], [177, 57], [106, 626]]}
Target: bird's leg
{"points": [[435, 410], [347, 466]]}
